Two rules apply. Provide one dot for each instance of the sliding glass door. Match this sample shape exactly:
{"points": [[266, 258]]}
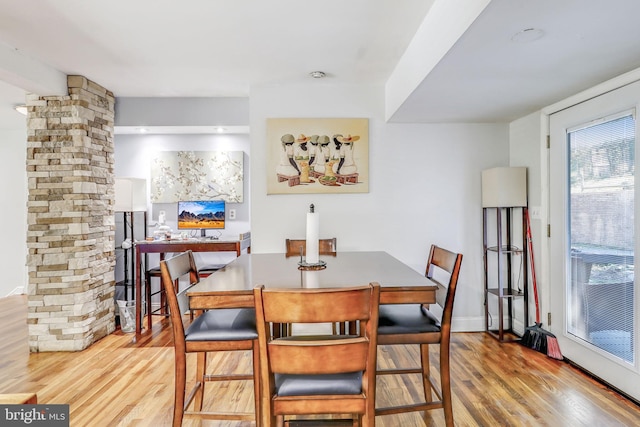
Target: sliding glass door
{"points": [[593, 236]]}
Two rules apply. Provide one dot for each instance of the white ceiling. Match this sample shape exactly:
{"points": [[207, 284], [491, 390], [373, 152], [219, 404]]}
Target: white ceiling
{"points": [[165, 48]]}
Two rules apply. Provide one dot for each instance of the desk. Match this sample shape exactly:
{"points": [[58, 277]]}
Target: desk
{"points": [[232, 286], [164, 246]]}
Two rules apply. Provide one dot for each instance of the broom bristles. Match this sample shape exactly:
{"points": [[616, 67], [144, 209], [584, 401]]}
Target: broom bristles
{"points": [[533, 338], [553, 348], [542, 341]]}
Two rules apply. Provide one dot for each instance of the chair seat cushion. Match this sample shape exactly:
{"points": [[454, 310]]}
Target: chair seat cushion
{"points": [[224, 324], [406, 319], [312, 385]]}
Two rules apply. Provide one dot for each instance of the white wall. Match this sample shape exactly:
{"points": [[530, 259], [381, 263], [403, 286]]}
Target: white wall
{"points": [[132, 159], [176, 111], [13, 215], [527, 142], [424, 186]]}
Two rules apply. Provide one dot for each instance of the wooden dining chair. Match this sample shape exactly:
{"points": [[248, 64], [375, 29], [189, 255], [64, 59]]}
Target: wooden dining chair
{"points": [[225, 329], [323, 374], [203, 271], [401, 324], [325, 247]]}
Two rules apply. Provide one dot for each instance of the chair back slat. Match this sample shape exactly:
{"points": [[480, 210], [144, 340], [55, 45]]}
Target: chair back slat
{"points": [[312, 306], [325, 247], [323, 357], [401, 294]]}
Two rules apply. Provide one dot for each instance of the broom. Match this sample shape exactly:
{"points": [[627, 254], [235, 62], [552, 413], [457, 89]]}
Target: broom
{"points": [[534, 336]]}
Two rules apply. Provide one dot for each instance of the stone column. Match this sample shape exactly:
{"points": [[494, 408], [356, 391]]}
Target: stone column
{"points": [[71, 226]]}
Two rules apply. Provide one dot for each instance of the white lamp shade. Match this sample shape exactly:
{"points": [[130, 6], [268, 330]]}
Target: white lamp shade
{"points": [[131, 194], [504, 187]]}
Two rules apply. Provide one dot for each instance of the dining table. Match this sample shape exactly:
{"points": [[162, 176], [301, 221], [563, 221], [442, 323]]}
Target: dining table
{"points": [[232, 286]]}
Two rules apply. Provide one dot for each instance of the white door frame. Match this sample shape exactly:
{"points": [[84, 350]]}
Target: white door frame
{"points": [[620, 375]]}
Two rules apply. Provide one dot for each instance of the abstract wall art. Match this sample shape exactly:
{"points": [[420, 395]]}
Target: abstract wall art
{"points": [[197, 175]]}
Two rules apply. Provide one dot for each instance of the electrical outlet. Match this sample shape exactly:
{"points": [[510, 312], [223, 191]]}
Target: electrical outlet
{"points": [[232, 214], [534, 212]]}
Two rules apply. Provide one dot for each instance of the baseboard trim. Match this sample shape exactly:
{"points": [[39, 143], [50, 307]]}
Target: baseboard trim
{"points": [[17, 291]]}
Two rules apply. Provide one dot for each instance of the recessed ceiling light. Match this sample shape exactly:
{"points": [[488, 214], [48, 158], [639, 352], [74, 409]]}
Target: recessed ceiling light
{"points": [[22, 109], [318, 74], [527, 35]]}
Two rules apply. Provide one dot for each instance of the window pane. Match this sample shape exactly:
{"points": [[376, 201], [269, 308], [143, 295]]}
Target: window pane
{"points": [[602, 238]]}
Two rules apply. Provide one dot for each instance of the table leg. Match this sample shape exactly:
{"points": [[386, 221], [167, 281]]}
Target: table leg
{"points": [[137, 296]]}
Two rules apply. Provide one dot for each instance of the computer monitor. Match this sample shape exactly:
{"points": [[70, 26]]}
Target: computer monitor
{"points": [[201, 215]]}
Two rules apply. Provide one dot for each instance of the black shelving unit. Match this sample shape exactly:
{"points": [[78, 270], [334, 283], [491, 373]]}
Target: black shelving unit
{"points": [[125, 257], [502, 274]]}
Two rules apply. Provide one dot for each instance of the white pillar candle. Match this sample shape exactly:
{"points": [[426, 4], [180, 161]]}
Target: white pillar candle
{"points": [[313, 236]]}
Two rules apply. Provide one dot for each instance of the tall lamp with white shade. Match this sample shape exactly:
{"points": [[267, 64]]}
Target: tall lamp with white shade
{"points": [[505, 189], [130, 197]]}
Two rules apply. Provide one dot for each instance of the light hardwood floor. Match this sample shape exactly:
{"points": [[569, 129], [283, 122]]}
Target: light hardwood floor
{"points": [[119, 381]]}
